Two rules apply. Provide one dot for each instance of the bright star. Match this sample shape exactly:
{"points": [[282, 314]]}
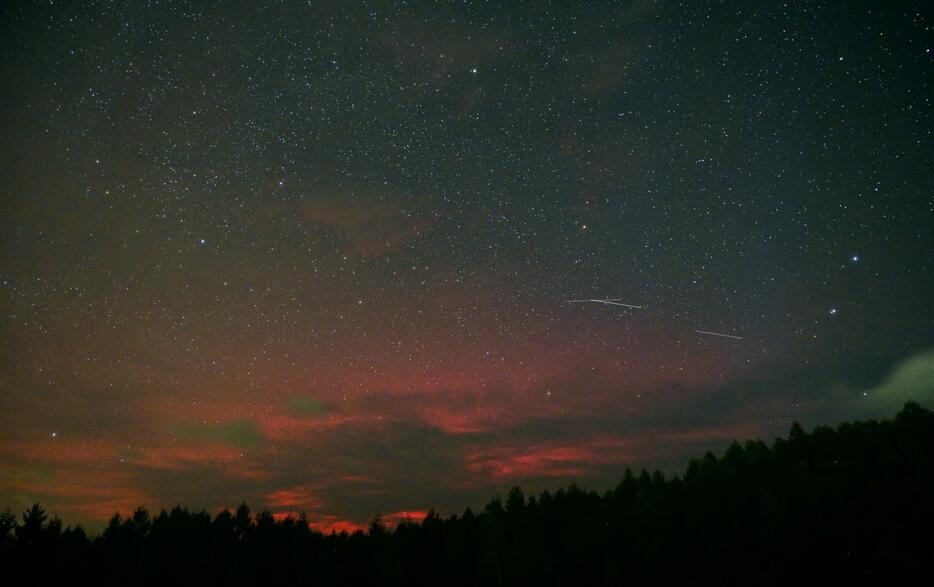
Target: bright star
{"points": [[833, 311]]}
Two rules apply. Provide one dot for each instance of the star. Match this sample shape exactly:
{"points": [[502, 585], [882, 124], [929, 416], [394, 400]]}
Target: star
{"points": [[833, 311], [854, 259]]}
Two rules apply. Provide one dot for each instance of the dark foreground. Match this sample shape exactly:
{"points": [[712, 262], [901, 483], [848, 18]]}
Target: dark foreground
{"points": [[847, 505]]}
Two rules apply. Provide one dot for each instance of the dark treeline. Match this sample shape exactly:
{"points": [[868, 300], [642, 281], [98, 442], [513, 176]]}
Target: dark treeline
{"points": [[854, 503]]}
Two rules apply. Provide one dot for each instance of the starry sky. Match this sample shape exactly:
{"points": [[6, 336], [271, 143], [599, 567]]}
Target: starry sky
{"points": [[317, 256]]}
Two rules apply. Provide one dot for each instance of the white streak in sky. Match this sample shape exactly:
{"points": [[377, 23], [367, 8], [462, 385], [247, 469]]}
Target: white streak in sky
{"points": [[621, 304], [606, 302], [719, 334]]}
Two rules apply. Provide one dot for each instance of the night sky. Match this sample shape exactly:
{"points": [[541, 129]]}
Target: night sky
{"points": [[317, 256]]}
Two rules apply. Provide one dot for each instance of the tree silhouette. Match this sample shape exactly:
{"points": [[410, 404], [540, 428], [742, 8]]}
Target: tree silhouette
{"points": [[30, 532], [7, 527], [850, 504]]}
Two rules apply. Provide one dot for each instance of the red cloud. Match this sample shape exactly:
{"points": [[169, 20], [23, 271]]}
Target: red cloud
{"points": [[300, 497], [328, 524], [546, 460], [394, 519]]}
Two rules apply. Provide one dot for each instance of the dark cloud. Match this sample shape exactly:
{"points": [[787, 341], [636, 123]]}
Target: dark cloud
{"points": [[369, 225], [302, 405], [236, 433]]}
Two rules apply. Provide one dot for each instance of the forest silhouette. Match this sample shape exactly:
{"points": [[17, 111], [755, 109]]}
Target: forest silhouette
{"points": [[851, 504]]}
